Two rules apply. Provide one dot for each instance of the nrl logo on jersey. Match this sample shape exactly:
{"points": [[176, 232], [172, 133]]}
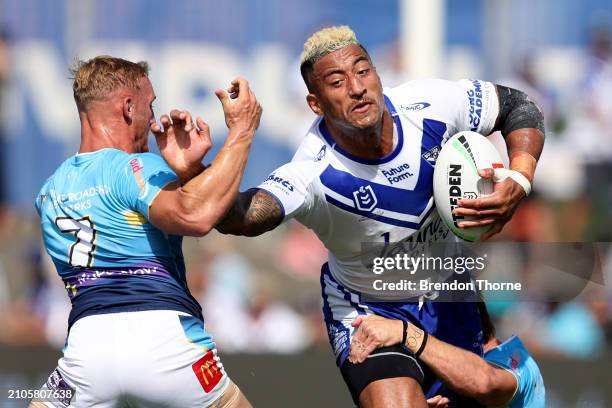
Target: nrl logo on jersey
{"points": [[321, 154], [365, 199], [432, 155]]}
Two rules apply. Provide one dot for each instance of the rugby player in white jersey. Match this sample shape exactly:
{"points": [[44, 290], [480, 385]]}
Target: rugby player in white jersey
{"points": [[363, 173]]}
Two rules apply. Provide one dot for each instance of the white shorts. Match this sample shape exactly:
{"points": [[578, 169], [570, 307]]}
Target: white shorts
{"points": [[149, 358]]}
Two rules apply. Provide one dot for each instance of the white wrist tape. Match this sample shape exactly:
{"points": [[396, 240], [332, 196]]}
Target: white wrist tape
{"points": [[501, 174]]}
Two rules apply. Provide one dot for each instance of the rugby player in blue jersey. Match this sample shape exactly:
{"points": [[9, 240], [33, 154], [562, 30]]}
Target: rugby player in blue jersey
{"points": [[507, 376], [363, 174], [113, 217]]}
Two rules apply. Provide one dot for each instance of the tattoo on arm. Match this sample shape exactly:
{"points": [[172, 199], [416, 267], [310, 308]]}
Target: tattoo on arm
{"points": [[254, 212]]}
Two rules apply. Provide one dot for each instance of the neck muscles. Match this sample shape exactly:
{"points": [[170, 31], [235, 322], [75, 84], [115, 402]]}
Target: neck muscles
{"points": [[373, 143]]}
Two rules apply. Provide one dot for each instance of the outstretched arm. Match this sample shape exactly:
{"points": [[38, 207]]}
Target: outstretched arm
{"points": [[488, 384], [254, 212], [193, 205]]}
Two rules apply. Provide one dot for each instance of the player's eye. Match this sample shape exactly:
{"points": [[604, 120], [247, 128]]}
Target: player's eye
{"points": [[363, 71]]}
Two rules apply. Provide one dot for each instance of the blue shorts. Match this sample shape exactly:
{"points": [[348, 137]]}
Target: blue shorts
{"points": [[456, 323]]}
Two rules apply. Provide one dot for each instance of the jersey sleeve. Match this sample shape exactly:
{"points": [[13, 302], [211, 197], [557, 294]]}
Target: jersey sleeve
{"points": [[467, 104], [478, 106], [290, 185], [143, 176]]}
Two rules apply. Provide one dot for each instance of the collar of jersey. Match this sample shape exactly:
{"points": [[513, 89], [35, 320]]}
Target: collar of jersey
{"points": [[512, 343], [84, 157], [398, 148]]}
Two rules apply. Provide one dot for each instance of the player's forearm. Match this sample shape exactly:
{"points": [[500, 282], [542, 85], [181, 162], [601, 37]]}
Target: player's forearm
{"points": [[524, 149], [521, 122], [252, 213], [208, 196], [461, 370]]}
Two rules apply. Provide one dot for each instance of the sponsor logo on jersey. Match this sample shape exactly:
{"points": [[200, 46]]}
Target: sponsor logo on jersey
{"points": [[207, 371], [397, 174], [135, 165], [454, 189], [136, 171], [339, 338], [413, 107], [365, 199], [475, 99], [279, 180], [321, 154], [432, 154], [60, 388], [515, 361]]}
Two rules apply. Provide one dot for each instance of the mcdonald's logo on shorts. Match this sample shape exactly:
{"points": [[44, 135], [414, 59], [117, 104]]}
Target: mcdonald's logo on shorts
{"points": [[207, 371]]}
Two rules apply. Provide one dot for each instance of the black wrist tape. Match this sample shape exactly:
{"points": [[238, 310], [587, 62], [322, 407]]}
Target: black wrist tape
{"points": [[420, 350]]}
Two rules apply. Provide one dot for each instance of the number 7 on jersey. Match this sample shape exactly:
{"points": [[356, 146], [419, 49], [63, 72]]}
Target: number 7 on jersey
{"points": [[81, 252]]}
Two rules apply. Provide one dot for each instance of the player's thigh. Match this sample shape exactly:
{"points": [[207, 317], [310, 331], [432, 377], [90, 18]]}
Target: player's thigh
{"points": [[394, 363], [176, 365], [399, 392], [232, 398]]}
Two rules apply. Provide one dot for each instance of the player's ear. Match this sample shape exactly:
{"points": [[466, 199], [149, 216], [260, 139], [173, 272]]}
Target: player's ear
{"points": [[128, 108], [313, 102]]}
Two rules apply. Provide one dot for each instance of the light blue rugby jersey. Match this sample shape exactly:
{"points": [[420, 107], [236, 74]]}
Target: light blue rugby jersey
{"points": [[94, 212], [514, 357]]}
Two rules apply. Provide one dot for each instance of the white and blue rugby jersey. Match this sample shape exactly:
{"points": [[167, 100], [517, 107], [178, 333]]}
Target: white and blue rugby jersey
{"points": [[348, 201], [94, 212], [514, 357]]}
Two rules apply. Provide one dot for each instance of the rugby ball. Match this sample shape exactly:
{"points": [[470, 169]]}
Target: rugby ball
{"points": [[456, 177]]}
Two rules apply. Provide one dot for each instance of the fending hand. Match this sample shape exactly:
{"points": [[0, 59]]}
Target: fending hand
{"points": [[182, 143]]}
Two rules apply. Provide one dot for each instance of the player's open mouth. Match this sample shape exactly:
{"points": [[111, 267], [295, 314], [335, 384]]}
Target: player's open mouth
{"points": [[361, 107]]}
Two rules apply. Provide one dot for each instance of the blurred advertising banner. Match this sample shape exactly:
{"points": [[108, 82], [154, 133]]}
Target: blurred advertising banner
{"points": [[193, 47]]}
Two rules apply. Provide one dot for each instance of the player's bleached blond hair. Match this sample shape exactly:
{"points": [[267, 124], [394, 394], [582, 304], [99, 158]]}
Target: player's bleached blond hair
{"points": [[98, 77], [323, 42], [327, 40]]}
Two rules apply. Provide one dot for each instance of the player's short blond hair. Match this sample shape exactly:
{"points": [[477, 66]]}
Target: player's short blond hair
{"points": [[321, 43], [325, 41], [97, 78]]}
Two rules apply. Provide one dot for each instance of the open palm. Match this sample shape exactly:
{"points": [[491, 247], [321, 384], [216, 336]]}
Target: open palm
{"points": [[182, 144]]}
